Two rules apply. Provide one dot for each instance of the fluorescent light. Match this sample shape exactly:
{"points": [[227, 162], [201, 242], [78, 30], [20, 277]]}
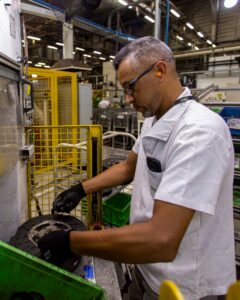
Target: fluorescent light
{"points": [[52, 47], [102, 58], [142, 5], [87, 55], [189, 44], [97, 52], [175, 13], [47, 67], [230, 3], [149, 19], [29, 62], [209, 42], [59, 44], [200, 34], [74, 52], [213, 45], [37, 65], [189, 25], [111, 60], [196, 48], [33, 38], [80, 49], [41, 64], [112, 56], [123, 2], [130, 7], [179, 38], [34, 76]]}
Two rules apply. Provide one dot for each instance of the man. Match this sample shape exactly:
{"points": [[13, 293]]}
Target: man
{"points": [[181, 225], [104, 103]]}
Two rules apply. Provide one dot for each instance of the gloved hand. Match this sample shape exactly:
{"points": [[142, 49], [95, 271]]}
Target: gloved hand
{"points": [[69, 199], [55, 246]]}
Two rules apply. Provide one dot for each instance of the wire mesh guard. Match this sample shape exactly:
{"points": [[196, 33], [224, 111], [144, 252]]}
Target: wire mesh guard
{"points": [[54, 97], [62, 158]]}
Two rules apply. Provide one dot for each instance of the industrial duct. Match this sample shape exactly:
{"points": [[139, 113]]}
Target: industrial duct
{"points": [[207, 51], [81, 8]]}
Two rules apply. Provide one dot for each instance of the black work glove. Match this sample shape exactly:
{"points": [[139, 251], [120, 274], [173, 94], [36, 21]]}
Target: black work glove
{"points": [[69, 199], [55, 246]]}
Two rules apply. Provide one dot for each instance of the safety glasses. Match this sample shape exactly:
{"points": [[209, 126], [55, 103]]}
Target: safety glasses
{"points": [[129, 88]]}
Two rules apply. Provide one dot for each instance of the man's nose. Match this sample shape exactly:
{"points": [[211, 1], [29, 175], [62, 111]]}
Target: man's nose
{"points": [[129, 99]]}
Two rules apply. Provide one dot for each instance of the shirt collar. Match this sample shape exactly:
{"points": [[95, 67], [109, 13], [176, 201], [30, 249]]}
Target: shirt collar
{"points": [[163, 127]]}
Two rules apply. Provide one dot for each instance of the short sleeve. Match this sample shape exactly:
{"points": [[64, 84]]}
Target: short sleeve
{"points": [[195, 170], [136, 146]]}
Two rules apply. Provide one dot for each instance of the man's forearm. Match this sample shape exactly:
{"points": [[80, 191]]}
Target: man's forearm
{"points": [[128, 244], [114, 176]]}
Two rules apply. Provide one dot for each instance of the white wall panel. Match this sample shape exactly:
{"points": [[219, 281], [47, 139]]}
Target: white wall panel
{"points": [[10, 44]]}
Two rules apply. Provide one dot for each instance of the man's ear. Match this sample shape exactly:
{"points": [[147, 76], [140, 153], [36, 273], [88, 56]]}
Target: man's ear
{"points": [[160, 68]]}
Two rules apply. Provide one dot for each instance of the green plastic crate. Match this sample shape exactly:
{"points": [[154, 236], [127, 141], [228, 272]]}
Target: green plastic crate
{"points": [[22, 272], [116, 210], [236, 198]]}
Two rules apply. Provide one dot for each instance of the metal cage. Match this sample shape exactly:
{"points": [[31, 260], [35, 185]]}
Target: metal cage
{"points": [[63, 156]]}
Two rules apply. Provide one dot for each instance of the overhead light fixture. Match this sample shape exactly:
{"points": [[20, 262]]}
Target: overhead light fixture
{"points": [[189, 44], [52, 47], [29, 62], [196, 48], [102, 58], [130, 7], [87, 55], [213, 45], [59, 44], [179, 38], [189, 25], [209, 42], [34, 76], [97, 52], [80, 49], [41, 63], [123, 2], [33, 38], [74, 52], [37, 65], [47, 67], [149, 19], [200, 34], [230, 3], [175, 13], [112, 56]]}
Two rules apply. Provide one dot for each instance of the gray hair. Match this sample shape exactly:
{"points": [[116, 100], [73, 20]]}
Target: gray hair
{"points": [[145, 49]]}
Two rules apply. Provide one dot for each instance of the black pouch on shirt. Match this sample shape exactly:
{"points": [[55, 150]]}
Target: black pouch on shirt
{"points": [[154, 165]]}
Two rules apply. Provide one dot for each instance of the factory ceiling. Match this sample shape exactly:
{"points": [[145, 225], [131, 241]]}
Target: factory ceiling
{"points": [[192, 26]]}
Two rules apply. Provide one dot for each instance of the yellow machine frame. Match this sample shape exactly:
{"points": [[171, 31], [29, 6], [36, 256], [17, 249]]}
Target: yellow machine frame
{"points": [[57, 97], [63, 157]]}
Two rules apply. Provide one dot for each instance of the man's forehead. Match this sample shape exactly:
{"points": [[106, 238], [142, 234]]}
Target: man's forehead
{"points": [[125, 72]]}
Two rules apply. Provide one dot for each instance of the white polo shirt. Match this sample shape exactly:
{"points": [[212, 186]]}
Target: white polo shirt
{"points": [[194, 147]]}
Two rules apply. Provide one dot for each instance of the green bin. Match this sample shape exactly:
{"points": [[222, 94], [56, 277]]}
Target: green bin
{"points": [[236, 198], [116, 210], [22, 272]]}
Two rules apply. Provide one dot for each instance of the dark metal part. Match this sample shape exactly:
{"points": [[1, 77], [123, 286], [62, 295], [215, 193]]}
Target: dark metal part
{"points": [[41, 229], [31, 231]]}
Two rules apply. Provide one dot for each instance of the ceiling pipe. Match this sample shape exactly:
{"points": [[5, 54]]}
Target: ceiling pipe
{"points": [[157, 24], [207, 51]]}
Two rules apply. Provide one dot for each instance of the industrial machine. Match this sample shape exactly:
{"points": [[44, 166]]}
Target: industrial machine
{"points": [[12, 169]]}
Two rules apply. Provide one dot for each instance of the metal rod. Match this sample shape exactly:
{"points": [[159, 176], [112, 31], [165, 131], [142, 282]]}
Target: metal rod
{"points": [[167, 21], [157, 25]]}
